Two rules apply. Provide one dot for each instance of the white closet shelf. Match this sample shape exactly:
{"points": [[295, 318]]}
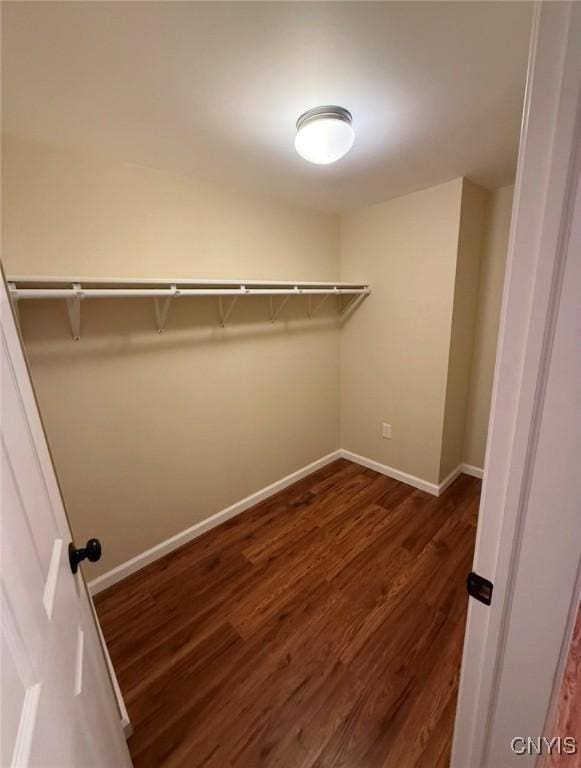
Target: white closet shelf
{"points": [[74, 289]]}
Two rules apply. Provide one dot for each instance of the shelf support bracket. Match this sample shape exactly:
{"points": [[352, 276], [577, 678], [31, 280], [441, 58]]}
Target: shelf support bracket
{"points": [[276, 310], [345, 309], [161, 307], [74, 311], [224, 313], [318, 305]]}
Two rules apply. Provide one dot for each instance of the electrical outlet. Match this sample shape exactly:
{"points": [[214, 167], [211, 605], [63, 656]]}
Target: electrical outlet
{"points": [[386, 431]]}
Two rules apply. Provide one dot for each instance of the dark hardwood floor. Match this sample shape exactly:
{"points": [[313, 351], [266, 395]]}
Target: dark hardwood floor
{"points": [[322, 628]]}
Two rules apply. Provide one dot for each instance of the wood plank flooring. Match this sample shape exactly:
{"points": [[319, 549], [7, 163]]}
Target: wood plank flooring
{"points": [[322, 628]]}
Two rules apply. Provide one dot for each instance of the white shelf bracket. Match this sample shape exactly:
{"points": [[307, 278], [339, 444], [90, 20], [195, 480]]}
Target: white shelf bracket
{"points": [[224, 313], [276, 310], [161, 307], [318, 305], [74, 311], [345, 309]]}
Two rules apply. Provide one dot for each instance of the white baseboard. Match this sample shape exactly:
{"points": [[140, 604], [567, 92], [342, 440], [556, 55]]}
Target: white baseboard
{"points": [[121, 572], [124, 715], [468, 469], [436, 489], [383, 469], [449, 479]]}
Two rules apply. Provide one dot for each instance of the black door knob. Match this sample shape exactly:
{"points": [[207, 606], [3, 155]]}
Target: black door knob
{"points": [[92, 552]]}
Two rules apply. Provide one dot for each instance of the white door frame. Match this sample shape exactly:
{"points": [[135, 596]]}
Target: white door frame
{"points": [[543, 211]]}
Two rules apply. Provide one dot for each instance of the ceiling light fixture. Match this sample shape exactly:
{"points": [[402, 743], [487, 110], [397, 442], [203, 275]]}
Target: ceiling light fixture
{"points": [[324, 134]]}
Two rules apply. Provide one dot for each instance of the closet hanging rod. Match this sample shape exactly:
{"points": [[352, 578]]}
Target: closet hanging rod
{"points": [[163, 292], [185, 282], [105, 293]]}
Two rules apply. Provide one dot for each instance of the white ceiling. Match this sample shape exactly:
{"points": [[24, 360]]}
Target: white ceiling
{"points": [[214, 89]]}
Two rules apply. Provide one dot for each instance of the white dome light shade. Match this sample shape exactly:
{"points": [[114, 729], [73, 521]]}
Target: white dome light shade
{"points": [[324, 134]]}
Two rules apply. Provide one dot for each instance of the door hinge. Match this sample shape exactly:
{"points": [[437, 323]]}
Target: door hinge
{"points": [[479, 588]]}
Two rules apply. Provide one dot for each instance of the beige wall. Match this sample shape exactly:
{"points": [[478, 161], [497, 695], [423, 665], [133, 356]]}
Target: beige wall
{"points": [[152, 433], [420, 355], [395, 347], [470, 241], [491, 285], [85, 214]]}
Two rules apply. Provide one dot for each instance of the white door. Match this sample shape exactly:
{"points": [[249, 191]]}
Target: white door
{"points": [[529, 529], [58, 705]]}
